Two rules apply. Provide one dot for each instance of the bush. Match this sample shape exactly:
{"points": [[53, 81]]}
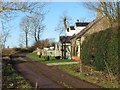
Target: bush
{"points": [[99, 48], [47, 58]]}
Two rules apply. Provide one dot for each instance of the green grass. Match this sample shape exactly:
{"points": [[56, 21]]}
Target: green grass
{"points": [[52, 59], [70, 69], [11, 78]]}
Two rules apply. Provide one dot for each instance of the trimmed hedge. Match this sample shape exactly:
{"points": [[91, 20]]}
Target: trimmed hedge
{"points": [[100, 48]]}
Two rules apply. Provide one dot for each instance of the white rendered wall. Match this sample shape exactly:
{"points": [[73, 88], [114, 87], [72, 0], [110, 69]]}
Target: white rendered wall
{"points": [[78, 29], [72, 32]]}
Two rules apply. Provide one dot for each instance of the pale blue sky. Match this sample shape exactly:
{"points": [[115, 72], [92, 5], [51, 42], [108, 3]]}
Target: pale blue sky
{"points": [[56, 10]]}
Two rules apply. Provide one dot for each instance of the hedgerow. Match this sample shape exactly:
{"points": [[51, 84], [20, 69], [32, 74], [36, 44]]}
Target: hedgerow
{"points": [[101, 50]]}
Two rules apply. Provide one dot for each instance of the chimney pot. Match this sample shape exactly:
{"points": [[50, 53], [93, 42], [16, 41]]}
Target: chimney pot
{"points": [[77, 20]]}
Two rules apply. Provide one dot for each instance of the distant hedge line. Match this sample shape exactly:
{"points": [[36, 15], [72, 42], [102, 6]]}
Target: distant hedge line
{"points": [[101, 49]]}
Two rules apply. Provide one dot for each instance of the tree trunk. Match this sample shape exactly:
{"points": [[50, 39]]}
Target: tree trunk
{"points": [[35, 35], [62, 50], [26, 39], [65, 50], [38, 36], [36, 39]]}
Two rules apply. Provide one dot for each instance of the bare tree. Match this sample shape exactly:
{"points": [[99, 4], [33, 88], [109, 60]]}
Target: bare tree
{"points": [[25, 26], [109, 9], [4, 34], [9, 9], [41, 44], [46, 42], [21, 40], [1, 40], [37, 26], [52, 41], [63, 24]]}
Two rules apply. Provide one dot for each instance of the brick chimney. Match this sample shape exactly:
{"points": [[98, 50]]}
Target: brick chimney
{"points": [[99, 11]]}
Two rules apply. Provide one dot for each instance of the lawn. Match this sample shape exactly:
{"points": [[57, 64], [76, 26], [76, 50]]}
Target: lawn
{"points": [[97, 77], [51, 59]]}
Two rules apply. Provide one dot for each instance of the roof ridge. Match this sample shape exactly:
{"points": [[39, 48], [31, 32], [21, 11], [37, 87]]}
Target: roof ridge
{"points": [[82, 32]]}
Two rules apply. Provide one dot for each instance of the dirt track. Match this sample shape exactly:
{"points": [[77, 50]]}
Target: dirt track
{"points": [[48, 77]]}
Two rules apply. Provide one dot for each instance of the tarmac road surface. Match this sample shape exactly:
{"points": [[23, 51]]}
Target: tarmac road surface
{"points": [[43, 76]]}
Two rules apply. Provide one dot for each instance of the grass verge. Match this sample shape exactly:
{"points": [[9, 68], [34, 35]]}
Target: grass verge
{"points": [[97, 77], [11, 79], [51, 59]]}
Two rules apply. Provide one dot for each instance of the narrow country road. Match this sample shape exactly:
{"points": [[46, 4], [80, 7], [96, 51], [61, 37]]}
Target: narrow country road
{"points": [[43, 76], [33, 74]]}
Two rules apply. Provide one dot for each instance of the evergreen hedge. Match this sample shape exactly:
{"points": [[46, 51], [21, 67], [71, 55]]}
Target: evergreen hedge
{"points": [[100, 48]]}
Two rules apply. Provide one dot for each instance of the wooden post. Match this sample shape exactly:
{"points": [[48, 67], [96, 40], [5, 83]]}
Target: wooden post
{"points": [[36, 85], [80, 62], [62, 50], [71, 51]]}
